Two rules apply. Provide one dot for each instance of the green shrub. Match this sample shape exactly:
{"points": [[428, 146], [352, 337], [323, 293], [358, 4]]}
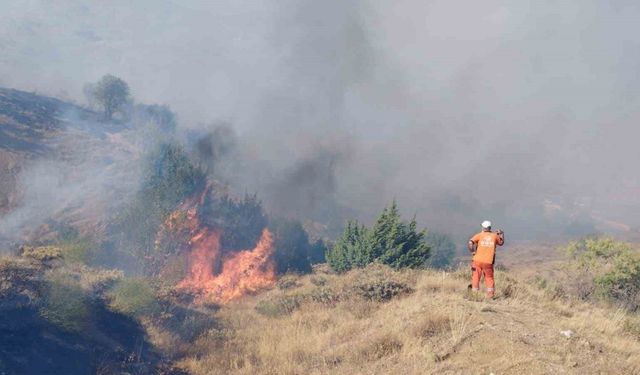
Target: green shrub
{"points": [[595, 251], [606, 269], [79, 251], [621, 283], [134, 297], [65, 304], [390, 241]]}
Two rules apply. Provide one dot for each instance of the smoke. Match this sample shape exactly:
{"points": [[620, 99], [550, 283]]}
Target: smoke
{"points": [[90, 171], [517, 112]]}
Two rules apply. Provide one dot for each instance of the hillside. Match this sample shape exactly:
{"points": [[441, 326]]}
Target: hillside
{"points": [[66, 317], [57, 161], [369, 321]]}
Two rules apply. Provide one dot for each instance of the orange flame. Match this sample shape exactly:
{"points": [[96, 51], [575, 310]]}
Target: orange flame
{"points": [[242, 272], [214, 276]]}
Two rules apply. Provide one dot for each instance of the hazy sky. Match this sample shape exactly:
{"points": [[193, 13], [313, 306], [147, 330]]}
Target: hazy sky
{"points": [[460, 110]]}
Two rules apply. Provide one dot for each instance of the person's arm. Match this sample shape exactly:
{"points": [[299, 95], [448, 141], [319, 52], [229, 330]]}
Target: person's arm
{"points": [[471, 245]]}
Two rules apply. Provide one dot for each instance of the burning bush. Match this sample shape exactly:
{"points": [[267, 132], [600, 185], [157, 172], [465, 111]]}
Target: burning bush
{"points": [[180, 216], [241, 221], [240, 273], [170, 179]]}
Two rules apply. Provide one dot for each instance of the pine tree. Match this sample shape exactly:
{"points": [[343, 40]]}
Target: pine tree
{"points": [[390, 241], [350, 250]]}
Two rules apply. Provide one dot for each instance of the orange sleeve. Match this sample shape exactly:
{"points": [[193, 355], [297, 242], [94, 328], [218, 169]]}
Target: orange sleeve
{"points": [[475, 238]]}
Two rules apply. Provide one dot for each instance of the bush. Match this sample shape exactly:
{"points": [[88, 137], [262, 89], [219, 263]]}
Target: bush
{"points": [[390, 241], [169, 178], [134, 297], [621, 283], [381, 290], [65, 304], [41, 253], [318, 281], [277, 306], [379, 283], [288, 282], [605, 269], [324, 296], [241, 220], [79, 251], [594, 251]]}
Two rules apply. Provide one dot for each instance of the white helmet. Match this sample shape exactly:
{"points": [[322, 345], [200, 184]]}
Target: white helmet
{"points": [[486, 224]]}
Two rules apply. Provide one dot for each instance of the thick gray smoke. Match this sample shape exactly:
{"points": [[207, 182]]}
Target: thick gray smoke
{"points": [[521, 112]]}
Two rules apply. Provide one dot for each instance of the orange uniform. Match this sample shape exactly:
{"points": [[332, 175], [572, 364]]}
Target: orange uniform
{"points": [[483, 260], [486, 251]]}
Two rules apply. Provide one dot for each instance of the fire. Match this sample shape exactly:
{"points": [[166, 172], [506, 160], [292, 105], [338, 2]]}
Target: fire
{"points": [[242, 272], [214, 276]]}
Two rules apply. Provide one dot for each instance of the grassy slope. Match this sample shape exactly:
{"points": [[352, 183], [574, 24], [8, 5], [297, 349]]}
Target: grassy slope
{"points": [[438, 328]]}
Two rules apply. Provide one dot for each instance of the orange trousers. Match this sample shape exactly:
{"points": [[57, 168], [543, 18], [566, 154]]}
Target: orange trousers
{"points": [[486, 269]]}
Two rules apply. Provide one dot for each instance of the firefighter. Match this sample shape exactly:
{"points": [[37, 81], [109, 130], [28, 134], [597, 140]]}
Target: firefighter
{"points": [[483, 247]]}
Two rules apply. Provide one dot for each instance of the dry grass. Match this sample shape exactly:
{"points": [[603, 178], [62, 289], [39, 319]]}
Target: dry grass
{"points": [[433, 328]]}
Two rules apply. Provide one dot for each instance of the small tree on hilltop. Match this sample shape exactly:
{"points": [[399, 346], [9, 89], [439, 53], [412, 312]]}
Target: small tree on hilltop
{"points": [[110, 93]]}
